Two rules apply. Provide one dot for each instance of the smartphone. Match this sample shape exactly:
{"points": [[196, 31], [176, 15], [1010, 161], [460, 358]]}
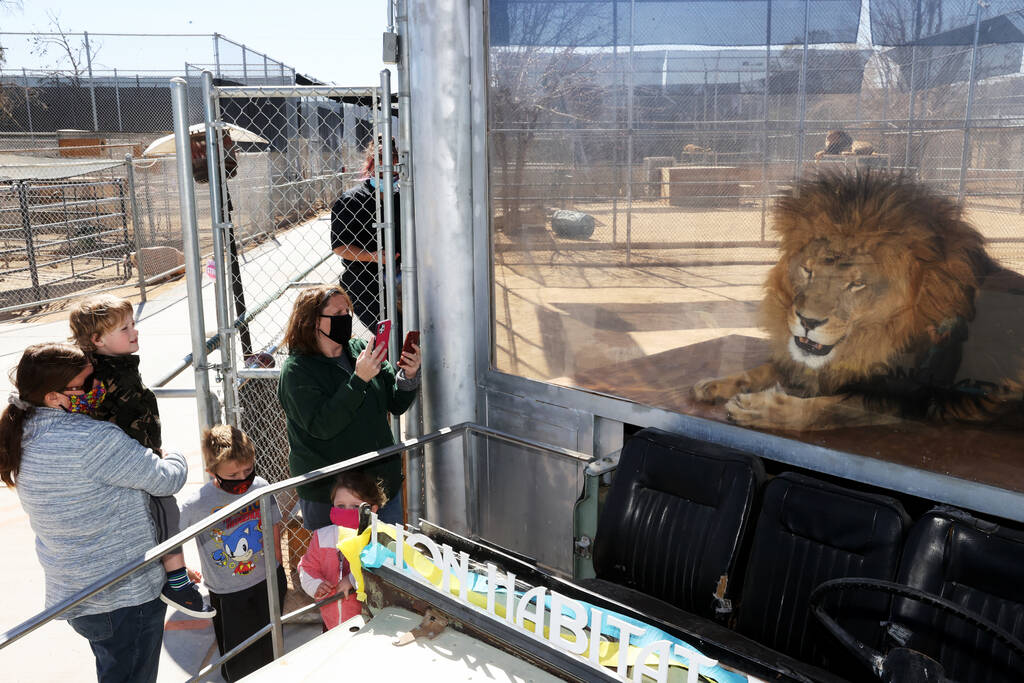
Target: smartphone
{"points": [[383, 334], [412, 337]]}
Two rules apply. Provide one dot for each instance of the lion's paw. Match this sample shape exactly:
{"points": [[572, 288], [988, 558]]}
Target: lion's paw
{"points": [[714, 390], [767, 410]]}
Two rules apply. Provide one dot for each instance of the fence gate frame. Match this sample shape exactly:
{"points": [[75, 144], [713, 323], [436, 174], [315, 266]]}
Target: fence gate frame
{"points": [[232, 368]]}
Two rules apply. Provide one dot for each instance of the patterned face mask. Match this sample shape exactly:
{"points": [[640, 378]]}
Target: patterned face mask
{"points": [[88, 402]]}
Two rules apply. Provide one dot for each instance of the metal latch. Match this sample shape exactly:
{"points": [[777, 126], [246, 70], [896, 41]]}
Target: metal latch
{"points": [[582, 546], [433, 623], [603, 465], [723, 605]]}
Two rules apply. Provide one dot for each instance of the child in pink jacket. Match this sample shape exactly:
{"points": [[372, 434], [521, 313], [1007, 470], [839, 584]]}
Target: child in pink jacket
{"points": [[322, 570]]}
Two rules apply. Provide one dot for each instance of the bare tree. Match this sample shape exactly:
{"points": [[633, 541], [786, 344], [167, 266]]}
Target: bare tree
{"points": [[927, 79], [66, 48], [539, 79]]}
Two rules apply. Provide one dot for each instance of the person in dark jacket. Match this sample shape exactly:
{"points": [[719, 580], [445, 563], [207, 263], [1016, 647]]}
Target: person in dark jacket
{"points": [[338, 394], [354, 239]]}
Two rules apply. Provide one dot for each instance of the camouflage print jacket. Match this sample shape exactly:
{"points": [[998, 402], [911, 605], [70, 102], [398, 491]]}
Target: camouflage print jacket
{"points": [[128, 403]]}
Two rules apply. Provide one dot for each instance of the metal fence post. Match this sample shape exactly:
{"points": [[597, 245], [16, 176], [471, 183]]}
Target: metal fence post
{"points": [[26, 222], [220, 287], [273, 595], [117, 97], [216, 52], [802, 97], [190, 239], [966, 152], [136, 228], [124, 221], [150, 221], [388, 218], [28, 103], [410, 285], [245, 68], [92, 84]]}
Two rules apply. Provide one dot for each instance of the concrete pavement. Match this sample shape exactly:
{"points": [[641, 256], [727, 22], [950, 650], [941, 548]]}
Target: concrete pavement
{"points": [[54, 652]]}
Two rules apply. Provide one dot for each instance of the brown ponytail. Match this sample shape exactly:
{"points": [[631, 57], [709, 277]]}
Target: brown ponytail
{"points": [[43, 368]]}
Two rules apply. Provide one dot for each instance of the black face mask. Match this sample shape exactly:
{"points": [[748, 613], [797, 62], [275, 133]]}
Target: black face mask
{"points": [[237, 486], [341, 328]]}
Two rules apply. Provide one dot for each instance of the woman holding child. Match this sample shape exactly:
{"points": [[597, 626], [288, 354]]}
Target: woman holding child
{"points": [[338, 394], [85, 486]]}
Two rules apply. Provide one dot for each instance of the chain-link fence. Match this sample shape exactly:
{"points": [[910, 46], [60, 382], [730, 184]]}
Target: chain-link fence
{"points": [[312, 160], [593, 107], [66, 80], [61, 103], [63, 235]]}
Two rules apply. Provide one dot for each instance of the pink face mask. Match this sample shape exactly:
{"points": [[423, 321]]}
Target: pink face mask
{"points": [[346, 517]]}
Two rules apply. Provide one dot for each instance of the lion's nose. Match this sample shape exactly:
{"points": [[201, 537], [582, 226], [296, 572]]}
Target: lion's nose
{"points": [[810, 323]]}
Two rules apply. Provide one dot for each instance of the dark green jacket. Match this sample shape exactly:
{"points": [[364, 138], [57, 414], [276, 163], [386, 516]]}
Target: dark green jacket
{"points": [[333, 415], [128, 403]]}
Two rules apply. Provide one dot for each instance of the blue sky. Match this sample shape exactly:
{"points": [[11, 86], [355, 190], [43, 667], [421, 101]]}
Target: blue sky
{"points": [[333, 40]]}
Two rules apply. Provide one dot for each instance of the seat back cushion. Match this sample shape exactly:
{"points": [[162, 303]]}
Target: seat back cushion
{"points": [[979, 566], [810, 531], [675, 517]]}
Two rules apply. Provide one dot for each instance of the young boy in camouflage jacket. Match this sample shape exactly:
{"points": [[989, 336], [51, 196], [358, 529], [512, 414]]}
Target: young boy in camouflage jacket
{"points": [[104, 327]]}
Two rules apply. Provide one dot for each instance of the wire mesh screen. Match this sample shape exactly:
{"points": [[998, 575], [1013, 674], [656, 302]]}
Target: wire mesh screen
{"points": [[307, 153], [302, 155], [63, 236], [626, 158]]}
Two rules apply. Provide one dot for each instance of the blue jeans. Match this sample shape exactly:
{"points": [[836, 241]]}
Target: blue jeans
{"points": [[316, 515], [126, 642]]}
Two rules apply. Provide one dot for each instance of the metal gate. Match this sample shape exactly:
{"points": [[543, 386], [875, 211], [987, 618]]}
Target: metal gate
{"points": [[62, 236], [271, 188]]}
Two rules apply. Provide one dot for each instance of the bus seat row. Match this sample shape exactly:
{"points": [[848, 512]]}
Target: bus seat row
{"points": [[696, 535]]}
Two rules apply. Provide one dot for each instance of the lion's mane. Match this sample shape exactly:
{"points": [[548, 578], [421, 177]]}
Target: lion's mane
{"points": [[923, 247]]}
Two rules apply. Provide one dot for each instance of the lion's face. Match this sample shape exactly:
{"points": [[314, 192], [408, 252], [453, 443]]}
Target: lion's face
{"points": [[837, 296], [871, 266]]}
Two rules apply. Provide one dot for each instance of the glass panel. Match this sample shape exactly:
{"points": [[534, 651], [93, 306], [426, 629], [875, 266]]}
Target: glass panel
{"points": [[646, 225]]}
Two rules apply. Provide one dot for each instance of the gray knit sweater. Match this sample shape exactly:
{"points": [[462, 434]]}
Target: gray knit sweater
{"points": [[84, 485]]}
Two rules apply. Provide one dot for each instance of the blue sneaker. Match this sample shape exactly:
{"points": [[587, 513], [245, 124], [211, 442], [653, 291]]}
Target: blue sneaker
{"points": [[187, 600]]}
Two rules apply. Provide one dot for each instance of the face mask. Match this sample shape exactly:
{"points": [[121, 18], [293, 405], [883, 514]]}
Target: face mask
{"points": [[87, 403], [346, 517], [236, 486], [341, 328], [394, 182]]}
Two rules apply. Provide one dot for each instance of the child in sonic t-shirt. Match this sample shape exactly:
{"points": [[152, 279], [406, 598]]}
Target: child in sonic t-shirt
{"points": [[232, 551]]}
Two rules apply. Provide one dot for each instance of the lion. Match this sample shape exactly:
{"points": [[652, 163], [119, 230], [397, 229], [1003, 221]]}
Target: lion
{"points": [[839, 142], [884, 305]]}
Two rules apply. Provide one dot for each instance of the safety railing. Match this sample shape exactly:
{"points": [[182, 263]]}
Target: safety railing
{"points": [[463, 432]]}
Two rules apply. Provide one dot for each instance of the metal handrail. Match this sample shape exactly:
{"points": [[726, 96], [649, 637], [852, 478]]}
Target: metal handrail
{"points": [[463, 430]]}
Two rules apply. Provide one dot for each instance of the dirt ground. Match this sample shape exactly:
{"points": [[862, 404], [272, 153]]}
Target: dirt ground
{"points": [[563, 306]]}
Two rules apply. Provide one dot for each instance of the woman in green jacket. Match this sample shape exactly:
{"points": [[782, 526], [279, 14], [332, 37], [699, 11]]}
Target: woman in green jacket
{"points": [[338, 394]]}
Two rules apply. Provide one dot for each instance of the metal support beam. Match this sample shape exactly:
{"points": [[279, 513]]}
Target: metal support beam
{"points": [[190, 239], [218, 226], [442, 146], [410, 287]]}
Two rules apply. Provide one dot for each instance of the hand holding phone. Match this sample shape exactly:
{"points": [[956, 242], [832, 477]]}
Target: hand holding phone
{"points": [[412, 337], [383, 334], [410, 360]]}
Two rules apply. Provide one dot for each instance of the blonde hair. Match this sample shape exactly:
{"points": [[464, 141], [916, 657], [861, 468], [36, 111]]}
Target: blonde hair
{"points": [[223, 443], [97, 315]]}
